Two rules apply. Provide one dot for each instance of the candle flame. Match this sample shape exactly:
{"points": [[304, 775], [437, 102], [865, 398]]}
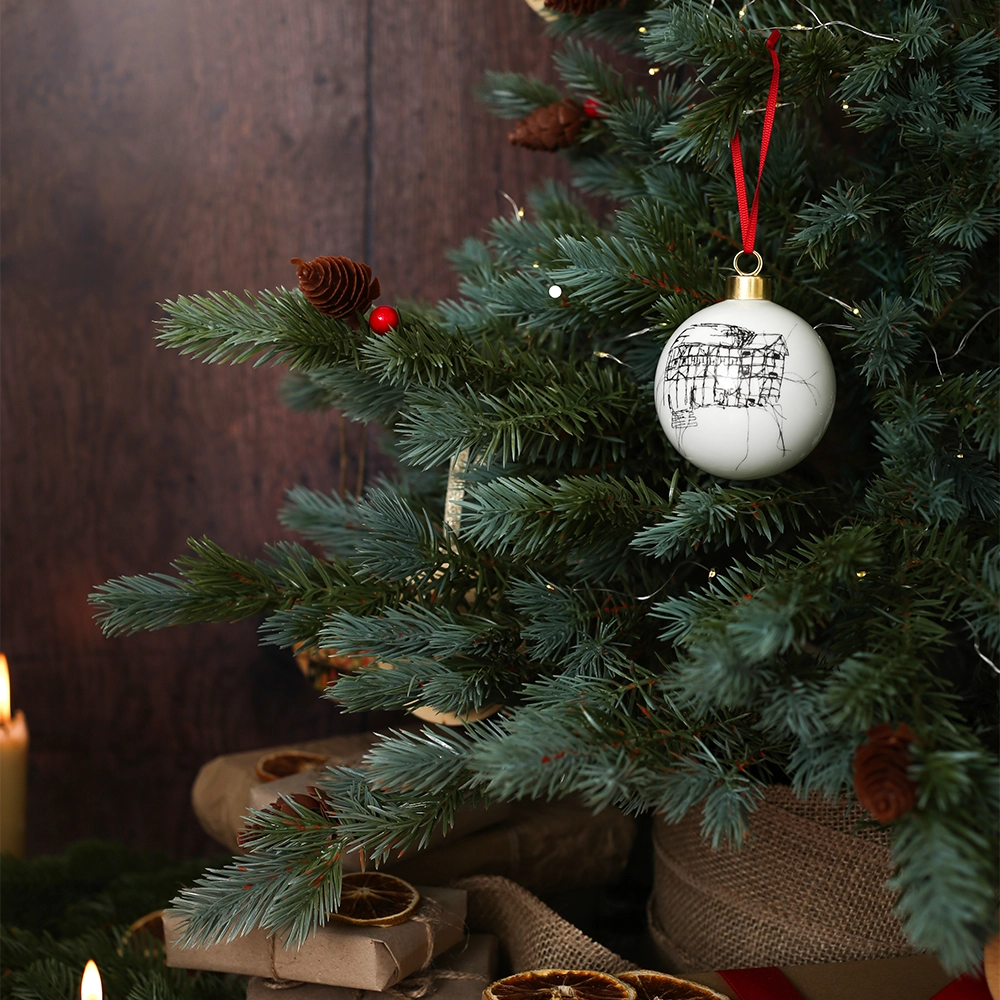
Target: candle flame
{"points": [[4, 690], [90, 985]]}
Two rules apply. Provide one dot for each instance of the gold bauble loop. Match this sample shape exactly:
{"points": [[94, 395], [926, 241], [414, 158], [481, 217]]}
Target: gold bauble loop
{"points": [[755, 271]]}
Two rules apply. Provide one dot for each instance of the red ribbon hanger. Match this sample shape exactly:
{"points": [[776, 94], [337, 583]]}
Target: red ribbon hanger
{"points": [[748, 217]]}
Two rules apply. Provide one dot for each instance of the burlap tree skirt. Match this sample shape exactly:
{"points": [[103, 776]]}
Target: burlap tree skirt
{"points": [[807, 888], [531, 934]]}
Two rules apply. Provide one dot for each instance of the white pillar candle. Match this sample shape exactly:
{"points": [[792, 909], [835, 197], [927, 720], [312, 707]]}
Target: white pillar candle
{"points": [[13, 770]]}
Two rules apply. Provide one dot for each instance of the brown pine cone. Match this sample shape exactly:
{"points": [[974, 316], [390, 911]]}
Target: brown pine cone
{"points": [[323, 805], [880, 779], [311, 799], [578, 6], [550, 128], [337, 286]]}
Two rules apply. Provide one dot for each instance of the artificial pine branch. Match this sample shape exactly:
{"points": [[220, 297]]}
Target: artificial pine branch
{"points": [[514, 95], [328, 519], [579, 419], [523, 516], [58, 912], [708, 519], [290, 879], [585, 72], [278, 327], [661, 639], [215, 586], [358, 393]]}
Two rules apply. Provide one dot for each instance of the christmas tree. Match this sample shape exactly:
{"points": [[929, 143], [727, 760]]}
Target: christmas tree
{"points": [[659, 638]]}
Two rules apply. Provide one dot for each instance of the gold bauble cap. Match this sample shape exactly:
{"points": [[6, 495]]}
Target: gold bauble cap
{"points": [[744, 285]]}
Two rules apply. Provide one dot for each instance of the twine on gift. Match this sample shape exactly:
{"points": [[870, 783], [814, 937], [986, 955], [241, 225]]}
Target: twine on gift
{"points": [[415, 987], [420, 984], [276, 982], [430, 914]]}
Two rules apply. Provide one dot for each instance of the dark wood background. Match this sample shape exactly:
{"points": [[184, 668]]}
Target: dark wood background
{"points": [[163, 147]]}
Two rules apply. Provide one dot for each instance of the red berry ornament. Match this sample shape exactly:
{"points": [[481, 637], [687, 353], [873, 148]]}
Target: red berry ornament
{"points": [[383, 319], [592, 108]]}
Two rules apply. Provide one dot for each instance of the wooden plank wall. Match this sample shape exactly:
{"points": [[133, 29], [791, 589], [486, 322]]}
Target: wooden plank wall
{"points": [[160, 147]]}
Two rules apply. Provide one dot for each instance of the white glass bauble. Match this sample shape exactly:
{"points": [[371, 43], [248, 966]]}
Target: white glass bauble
{"points": [[744, 388]]}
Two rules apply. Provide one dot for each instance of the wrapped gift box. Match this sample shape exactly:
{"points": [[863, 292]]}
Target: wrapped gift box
{"points": [[545, 846], [339, 954], [474, 959], [915, 977], [221, 791], [228, 786], [467, 821]]}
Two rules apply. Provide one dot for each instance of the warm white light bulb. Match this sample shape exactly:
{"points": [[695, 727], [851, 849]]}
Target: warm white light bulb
{"points": [[554, 291], [90, 985]]}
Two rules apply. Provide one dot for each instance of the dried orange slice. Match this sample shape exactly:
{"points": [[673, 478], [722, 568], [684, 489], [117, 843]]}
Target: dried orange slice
{"points": [[376, 899], [272, 766], [559, 984], [649, 985], [428, 714], [332, 658]]}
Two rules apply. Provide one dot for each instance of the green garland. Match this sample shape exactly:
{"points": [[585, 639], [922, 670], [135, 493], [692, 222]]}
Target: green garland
{"points": [[57, 912]]}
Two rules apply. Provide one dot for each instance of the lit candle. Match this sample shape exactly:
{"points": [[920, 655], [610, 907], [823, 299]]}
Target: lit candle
{"points": [[13, 770], [90, 985]]}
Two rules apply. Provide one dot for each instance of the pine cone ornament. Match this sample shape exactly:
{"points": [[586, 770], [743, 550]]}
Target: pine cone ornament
{"points": [[313, 802], [312, 799], [550, 128], [880, 777], [337, 286], [578, 6]]}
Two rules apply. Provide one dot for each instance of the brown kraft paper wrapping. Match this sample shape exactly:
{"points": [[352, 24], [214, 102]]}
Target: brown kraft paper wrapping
{"points": [[474, 959], [468, 820], [339, 954], [228, 786], [545, 846], [221, 790]]}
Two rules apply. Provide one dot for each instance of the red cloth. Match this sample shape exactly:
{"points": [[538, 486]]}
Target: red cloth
{"points": [[966, 987], [770, 983]]}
